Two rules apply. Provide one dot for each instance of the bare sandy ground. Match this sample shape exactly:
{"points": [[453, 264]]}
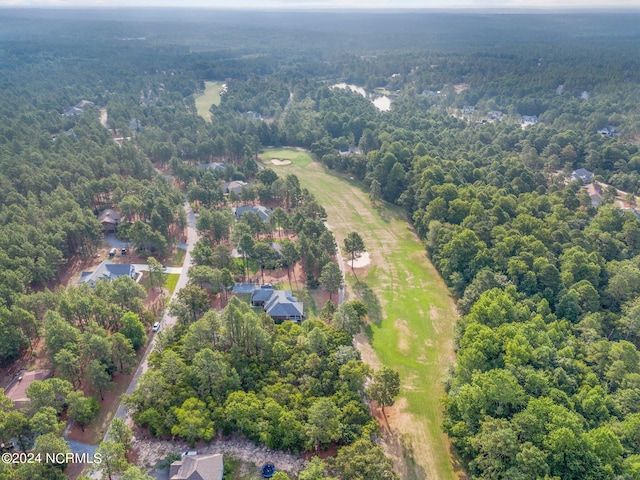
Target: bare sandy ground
{"points": [[276, 161], [362, 261]]}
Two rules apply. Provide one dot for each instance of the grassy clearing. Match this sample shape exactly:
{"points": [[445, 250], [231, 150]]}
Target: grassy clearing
{"points": [[211, 96], [235, 469], [413, 316], [171, 282], [177, 258]]}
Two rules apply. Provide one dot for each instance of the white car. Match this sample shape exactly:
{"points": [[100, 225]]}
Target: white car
{"points": [[156, 326]]}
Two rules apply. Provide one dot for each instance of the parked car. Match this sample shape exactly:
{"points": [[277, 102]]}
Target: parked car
{"points": [[156, 326]]}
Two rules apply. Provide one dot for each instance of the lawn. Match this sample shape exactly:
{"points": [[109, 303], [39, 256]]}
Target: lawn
{"points": [[176, 258], [211, 96], [413, 316], [170, 282]]}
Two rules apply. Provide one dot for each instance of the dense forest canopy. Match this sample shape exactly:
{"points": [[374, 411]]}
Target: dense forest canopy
{"points": [[546, 273]]}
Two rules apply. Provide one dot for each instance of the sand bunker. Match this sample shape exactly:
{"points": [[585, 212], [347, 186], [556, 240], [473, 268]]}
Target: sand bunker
{"points": [[362, 261], [276, 161]]}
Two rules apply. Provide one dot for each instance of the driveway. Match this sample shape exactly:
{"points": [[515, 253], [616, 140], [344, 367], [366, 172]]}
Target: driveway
{"points": [[143, 267], [113, 241]]}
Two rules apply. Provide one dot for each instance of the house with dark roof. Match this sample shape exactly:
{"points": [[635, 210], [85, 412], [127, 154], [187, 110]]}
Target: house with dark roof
{"points": [[110, 219], [197, 467], [349, 151], [609, 131], [279, 304], [284, 306], [528, 120], [582, 174], [260, 296], [262, 212], [108, 271]]}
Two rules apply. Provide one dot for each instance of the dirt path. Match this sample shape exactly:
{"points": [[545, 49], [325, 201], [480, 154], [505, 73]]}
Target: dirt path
{"points": [[104, 118], [412, 319]]}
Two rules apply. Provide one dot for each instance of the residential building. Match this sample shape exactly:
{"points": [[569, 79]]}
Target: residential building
{"points": [[528, 120], [109, 271], [110, 219], [216, 166], [349, 151], [595, 193], [234, 187], [609, 131], [197, 467], [582, 174], [279, 304], [262, 212]]}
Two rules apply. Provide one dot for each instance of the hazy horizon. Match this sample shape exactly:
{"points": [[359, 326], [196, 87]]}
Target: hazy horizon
{"points": [[468, 5]]}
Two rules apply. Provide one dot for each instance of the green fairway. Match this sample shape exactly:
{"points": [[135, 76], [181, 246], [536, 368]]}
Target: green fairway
{"points": [[211, 96], [413, 327], [298, 158]]}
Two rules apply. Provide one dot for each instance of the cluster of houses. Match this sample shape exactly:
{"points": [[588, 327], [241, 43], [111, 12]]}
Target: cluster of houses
{"points": [[594, 190]]}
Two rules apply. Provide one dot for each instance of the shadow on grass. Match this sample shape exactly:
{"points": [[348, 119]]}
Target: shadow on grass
{"points": [[413, 470], [369, 298]]}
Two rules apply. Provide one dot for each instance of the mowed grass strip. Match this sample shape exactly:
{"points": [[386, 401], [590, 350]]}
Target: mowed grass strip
{"points": [[415, 329], [211, 96]]}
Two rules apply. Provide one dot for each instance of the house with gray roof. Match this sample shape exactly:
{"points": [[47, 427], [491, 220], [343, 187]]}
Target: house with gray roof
{"points": [[528, 120], [260, 296], [234, 187], [216, 166], [108, 271], [262, 212], [73, 111], [197, 467], [583, 175], [609, 131], [279, 304]]}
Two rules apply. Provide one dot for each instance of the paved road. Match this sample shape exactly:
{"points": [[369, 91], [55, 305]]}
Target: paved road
{"points": [[167, 320]]}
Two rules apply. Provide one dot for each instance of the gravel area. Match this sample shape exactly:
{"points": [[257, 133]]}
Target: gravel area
{"points": [[150, 452]]}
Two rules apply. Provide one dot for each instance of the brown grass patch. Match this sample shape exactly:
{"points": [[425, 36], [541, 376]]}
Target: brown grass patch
{"points": [[404, 335], [367, 353]]}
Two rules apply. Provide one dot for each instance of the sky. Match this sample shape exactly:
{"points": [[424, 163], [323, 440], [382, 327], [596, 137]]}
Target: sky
{"points": [[333, 4]]}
